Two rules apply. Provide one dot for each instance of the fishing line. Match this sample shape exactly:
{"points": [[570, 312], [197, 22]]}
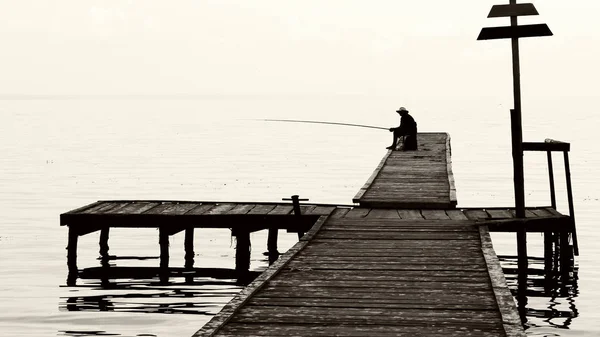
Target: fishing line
{"points": [[321, 122]]}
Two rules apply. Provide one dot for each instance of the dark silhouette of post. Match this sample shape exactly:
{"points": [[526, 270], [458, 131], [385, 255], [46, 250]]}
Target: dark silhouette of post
{"points": [[104, 234], [242, 252], [297, 211], [189, 247], [72, 256], [514, 32]]}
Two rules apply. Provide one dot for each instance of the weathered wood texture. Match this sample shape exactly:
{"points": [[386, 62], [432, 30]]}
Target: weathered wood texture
{"points": [[190, 214], [378, 272], [256, 216], [419, 179]]}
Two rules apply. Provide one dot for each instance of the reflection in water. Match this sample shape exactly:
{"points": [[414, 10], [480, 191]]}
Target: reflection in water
{"points": [[153, 290], [549, 298]]}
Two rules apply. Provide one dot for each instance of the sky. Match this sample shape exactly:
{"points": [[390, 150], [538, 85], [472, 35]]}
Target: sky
{"points": [[307, 47]]}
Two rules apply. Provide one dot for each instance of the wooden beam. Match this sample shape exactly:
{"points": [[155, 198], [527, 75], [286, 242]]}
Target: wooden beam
{"points": [[537, 224], [512, 10], [532, 146], [508, 32]]}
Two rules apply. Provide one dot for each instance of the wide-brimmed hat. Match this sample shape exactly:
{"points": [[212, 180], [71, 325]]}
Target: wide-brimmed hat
{"points": [[402, 109]]}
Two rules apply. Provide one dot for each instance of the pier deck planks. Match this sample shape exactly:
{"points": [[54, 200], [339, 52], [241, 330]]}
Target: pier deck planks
{"points": [[419, 179], [377, 275]]}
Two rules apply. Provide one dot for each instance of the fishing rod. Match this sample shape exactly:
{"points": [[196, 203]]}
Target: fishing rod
{"points": [[320, 122]]}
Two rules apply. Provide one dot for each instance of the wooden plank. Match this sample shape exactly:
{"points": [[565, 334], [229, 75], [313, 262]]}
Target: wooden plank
{"points": [[201, 209], [321, 210], [476, 214], [456, 214], [541, 212], [553, 211], [393, 229], [368, 303], [354, 330], [115, 209], [528, 213], [171, 208], [371, 266], [240, 209], [249, 314], [412, 214], [499, 214], [340, 212], [306, 209], [395, 243], [282, 210], [434, 214], [383, 214], [220, 209], [262, 209], [383, 252], [402, 235], [100, 207], [358, 213]]}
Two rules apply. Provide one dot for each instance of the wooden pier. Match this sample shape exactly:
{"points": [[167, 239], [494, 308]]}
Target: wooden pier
{"points": [[413, 179], [404, 261]]}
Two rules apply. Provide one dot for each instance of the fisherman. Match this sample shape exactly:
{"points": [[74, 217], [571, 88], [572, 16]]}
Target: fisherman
{"points": [[407, 129]]}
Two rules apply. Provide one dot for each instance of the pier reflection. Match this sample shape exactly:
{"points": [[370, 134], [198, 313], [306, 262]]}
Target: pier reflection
{"points": [[549, 298], [153, 289]]}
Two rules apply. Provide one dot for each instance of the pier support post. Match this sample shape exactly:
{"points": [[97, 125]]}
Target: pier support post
{"points": [[548, 252], [189, 248], [104, 234], [522, 262], [163, 241], [565, 256], [72, 256], [242, 252], [272, 245], [297, 210]]}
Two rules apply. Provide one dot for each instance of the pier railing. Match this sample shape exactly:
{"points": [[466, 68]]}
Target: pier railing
{"points": [[549, 146]]}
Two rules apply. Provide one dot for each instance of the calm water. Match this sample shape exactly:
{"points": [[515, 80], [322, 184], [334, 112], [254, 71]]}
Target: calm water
{"points": [[58, 154]]}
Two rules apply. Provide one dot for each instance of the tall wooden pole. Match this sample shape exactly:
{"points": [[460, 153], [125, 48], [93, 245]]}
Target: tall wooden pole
{"points": [[516, 126]]}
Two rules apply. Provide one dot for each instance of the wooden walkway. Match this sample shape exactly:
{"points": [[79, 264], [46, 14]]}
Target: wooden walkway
{"points": [[413, 179], [378, 275]]}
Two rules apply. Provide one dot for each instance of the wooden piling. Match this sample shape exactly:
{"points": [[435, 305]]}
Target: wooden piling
{"points": [[551, 179], [72, 250], [72, 257], [548, 252], [272, 240], [565, 256], [189, 248], [163, 241], [272, 245], [242, 252], [522, 270], [104, 234]]}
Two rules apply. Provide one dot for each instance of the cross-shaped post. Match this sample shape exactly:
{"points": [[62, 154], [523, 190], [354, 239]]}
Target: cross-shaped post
{"points": [[514, 32]]}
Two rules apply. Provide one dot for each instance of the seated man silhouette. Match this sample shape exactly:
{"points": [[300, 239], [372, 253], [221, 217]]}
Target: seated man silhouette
{"points": [[407, 129]]}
